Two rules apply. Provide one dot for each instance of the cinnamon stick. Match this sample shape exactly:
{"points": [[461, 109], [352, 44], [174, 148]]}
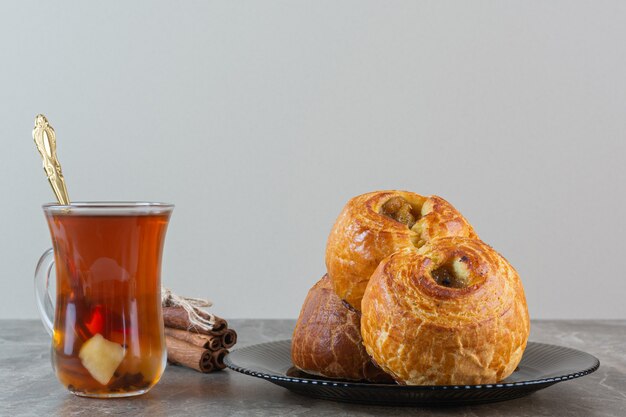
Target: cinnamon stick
{"points": [[212, 343], [220, 324], [178, 318], [229, 338], [217, 358], [191, 356]]}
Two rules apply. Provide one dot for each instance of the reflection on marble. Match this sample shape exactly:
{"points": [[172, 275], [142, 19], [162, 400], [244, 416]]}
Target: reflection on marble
{"points": [[29, 387]]}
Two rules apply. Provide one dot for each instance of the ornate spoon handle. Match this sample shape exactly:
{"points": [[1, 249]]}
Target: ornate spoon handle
{"points": [[45, 139]]}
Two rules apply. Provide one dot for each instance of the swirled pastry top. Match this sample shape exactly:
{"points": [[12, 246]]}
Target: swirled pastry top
{"points": [[452, 312], [373, 226]]}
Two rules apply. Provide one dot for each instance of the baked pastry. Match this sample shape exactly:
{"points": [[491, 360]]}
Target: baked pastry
{"points": [[327, 338], [450, 313], [373, 226]]}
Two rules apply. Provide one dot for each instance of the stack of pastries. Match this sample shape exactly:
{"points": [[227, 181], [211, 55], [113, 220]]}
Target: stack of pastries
{"points": [[411, 296]]}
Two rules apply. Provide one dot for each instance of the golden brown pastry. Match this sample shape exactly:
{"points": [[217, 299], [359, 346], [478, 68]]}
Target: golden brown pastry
{"points": [[373, 226], [452, 312], [327, 339]]}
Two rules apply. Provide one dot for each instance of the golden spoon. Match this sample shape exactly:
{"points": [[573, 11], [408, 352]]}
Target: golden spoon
{"points": [[46, 142]]}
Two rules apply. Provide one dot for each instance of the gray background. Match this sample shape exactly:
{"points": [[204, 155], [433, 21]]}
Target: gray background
{"points": [[259, 120]]}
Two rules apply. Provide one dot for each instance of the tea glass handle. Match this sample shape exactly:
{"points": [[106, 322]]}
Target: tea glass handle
{"points": [[42, 280]]}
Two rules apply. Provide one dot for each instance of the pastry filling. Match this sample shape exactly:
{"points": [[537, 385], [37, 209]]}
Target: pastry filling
{"points": [[452, 274], [400, 210]]}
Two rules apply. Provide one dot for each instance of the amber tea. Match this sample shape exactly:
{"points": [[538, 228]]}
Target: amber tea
{"points": [[108, 330]]}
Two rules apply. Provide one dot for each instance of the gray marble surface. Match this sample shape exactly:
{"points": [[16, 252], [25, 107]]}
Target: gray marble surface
{"points": [[29, 388]]}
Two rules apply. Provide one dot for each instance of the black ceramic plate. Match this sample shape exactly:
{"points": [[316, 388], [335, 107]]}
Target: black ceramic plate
{"points": [[541, 366]]}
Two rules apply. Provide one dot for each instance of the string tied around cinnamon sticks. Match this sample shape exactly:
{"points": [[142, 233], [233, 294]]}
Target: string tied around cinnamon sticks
{"points": [[195, 339], [197, 318]]}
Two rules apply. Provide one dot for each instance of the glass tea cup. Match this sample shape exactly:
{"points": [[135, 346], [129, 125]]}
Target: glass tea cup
{"points": [[106, 324]]}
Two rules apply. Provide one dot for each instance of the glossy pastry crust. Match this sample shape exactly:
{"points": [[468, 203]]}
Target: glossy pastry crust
{"points": [[327, 339], [450, 313], [364, 235]]}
